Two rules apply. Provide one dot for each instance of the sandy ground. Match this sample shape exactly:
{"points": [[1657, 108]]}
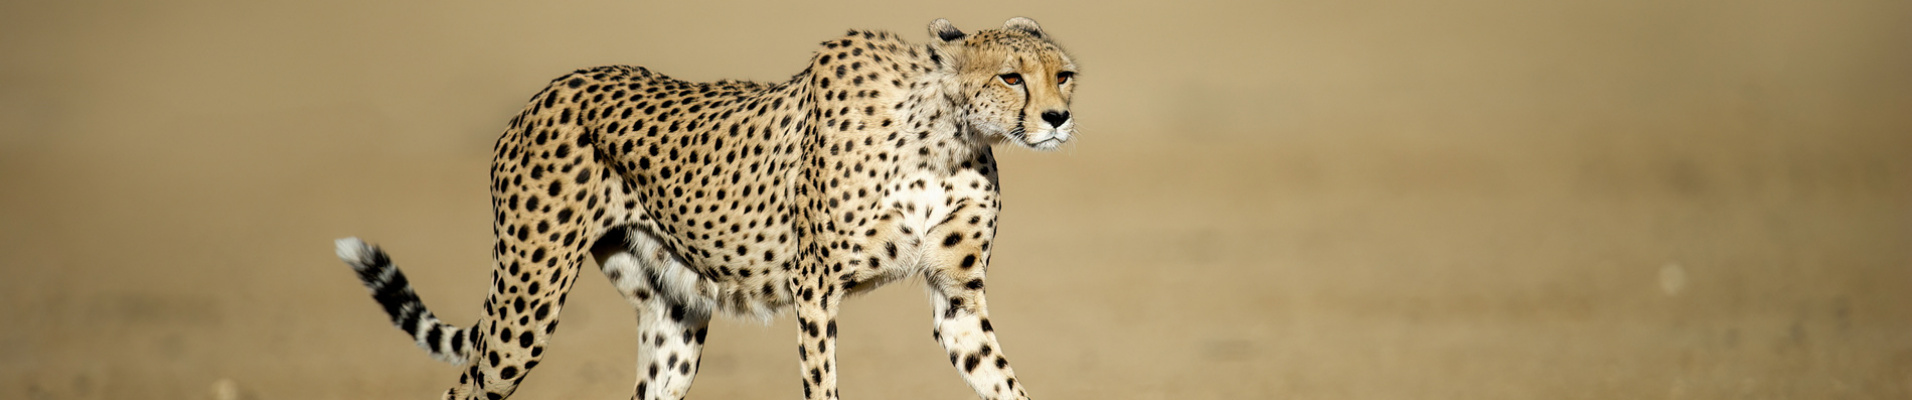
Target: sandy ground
{"points": [[1348, 200]]}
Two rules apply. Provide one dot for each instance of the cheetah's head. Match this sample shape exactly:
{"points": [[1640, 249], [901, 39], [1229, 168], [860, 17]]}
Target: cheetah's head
{"points": [[1014, 83]]}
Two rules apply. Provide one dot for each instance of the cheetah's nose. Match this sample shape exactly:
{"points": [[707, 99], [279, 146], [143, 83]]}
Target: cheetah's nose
{"points": [[1055, 118]]}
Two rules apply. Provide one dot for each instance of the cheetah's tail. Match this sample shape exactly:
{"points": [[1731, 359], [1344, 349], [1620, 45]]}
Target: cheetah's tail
{"points": [[388, 285]]}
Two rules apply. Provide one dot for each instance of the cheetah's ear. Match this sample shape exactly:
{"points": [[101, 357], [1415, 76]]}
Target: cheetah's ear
{"points": [[1025, 25], [944, 31]]}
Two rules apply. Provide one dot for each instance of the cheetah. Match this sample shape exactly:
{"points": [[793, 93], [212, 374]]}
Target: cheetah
{"points": [[747, 199]]}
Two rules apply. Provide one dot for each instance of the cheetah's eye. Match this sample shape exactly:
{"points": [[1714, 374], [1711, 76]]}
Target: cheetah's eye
{"points": [[1063, 77], [1011, 79]]}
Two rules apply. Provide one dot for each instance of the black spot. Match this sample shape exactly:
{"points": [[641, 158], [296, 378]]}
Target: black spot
{"points": [[953, 239], [431, 337], [974, 284], [457, 344], [969, 260], [524, 340], [969, 363], [508, 373]]}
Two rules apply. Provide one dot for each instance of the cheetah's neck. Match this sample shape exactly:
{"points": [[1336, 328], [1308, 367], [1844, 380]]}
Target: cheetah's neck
{"points": [[940, 142]]}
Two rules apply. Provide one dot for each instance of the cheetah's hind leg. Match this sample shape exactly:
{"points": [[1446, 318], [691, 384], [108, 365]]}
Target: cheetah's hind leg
{"points": [[670, 334]]}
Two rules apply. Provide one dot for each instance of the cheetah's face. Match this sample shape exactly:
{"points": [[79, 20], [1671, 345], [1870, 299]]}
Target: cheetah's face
{"points": [[1016, 83]]}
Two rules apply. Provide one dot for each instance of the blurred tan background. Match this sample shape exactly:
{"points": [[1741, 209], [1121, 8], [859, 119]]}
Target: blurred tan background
{"points": [[1292, 199]]}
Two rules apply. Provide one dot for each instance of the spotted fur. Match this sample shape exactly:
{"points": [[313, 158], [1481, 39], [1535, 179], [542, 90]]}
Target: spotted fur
{"points": [[747, 199]]}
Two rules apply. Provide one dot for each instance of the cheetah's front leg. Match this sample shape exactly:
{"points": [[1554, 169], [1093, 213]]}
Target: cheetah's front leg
{"points": [[816, 337], [962, 313], [962, 327]]}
